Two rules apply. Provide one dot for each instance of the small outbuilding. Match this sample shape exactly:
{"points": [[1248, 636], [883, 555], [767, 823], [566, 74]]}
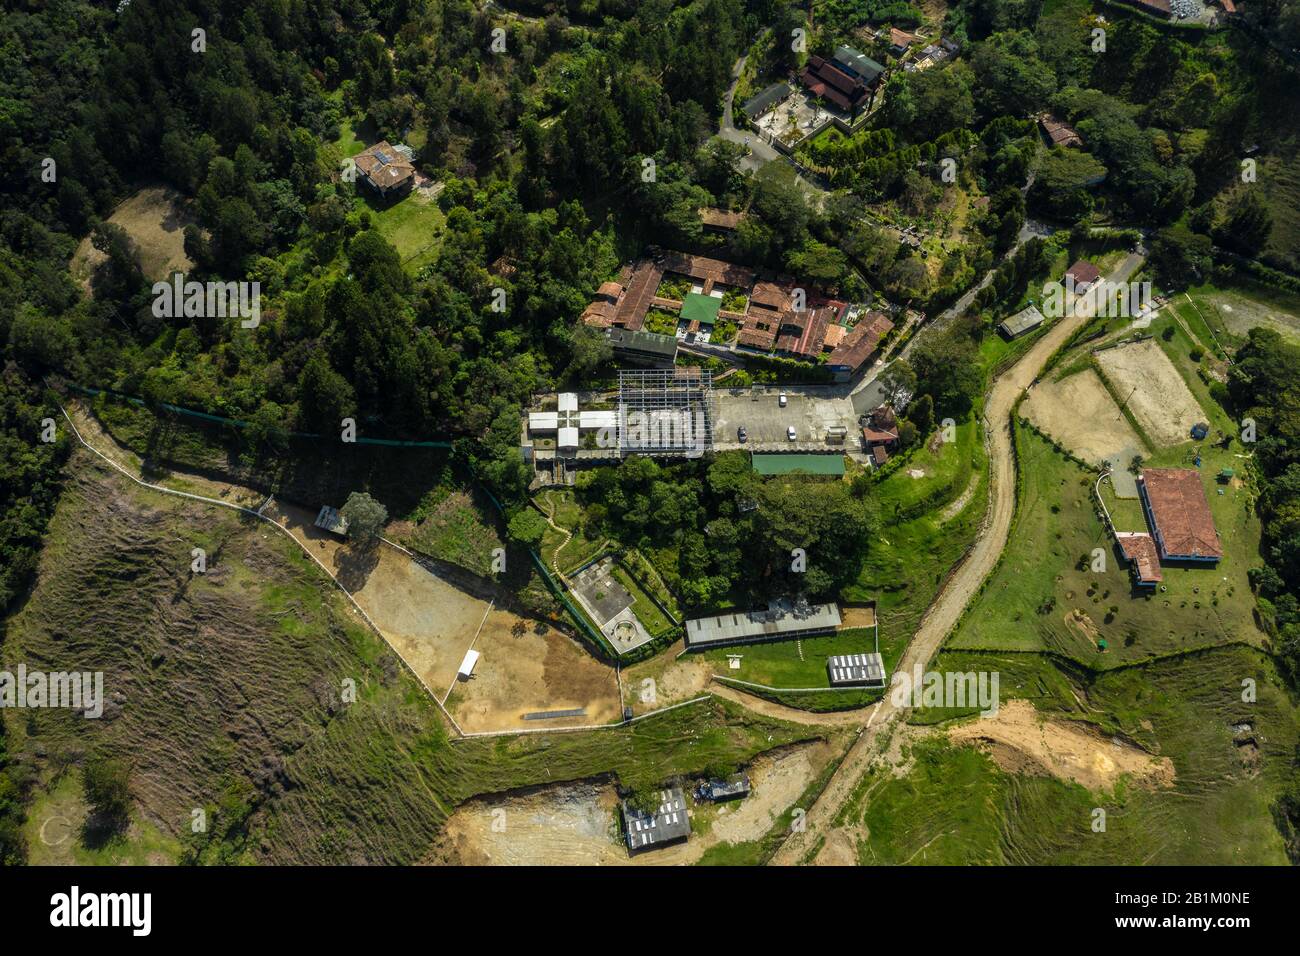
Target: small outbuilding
{"points": [[866, 670], [467, 665], [1026, 320], [330, 520], [733, 788], [668, 824]]}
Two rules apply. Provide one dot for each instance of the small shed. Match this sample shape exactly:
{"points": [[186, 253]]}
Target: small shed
{"points": [[467, 665], [330, 520]]}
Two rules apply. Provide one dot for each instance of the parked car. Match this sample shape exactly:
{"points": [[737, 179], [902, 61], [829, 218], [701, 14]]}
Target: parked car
{"points": [[781, 400], [789, 433], [741, 435]]}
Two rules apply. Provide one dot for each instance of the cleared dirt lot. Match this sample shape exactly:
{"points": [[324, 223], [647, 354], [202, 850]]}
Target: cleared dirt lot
{"points": [[155, 219], [1159, 398], [1080, 414], [1240, 314], [522, 671], [577, 824], [1020, 742], [427, 620]]}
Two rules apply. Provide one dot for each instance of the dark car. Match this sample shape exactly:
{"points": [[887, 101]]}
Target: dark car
{"points": [[741, 434]]}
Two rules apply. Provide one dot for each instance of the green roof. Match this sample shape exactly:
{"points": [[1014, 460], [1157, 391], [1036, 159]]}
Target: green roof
{"points": [[701, 308], [789, 464]]}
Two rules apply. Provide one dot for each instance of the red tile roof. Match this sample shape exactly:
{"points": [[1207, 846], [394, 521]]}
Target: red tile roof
{"points": [[1140, 549], [862, 342], [1084, 273], [1180, 513], [1061, 134]]}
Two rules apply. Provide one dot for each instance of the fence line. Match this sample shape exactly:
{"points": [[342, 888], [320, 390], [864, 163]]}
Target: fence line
{"points": [[285, 531]]}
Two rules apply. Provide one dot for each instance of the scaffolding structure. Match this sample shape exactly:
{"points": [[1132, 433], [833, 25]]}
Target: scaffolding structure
{"points": [[665, 412]]}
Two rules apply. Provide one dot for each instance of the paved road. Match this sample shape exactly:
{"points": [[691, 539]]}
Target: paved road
{"points": [[760, 151], [867, 393], [965, 581]]}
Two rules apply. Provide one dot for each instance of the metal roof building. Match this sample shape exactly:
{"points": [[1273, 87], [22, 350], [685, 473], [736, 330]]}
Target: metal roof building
{"points": [[668, 824], [645, 347], [780, 621], [330, 519], [733, 788], [867, 669], [1022, 322], [858, 63], [758, 105]]}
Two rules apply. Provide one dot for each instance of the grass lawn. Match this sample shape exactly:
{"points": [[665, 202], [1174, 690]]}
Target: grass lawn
{"points": [[413, 225], [797, 664], [450, 523], [567, 514], [54, 832], [956, 806], [1043, 596], [1226, 314], [647, 612], [925, 528]]}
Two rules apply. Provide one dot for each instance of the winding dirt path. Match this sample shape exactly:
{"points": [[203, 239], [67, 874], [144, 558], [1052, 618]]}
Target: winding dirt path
{"points": [[964, 583]]}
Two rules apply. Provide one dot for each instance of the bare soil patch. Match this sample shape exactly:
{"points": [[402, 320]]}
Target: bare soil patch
{"points": [[155, 218], [577, 824], [1019, 741], [1157, 395], [858, 616], [1078, 412], [522, 671], [428, 622]]}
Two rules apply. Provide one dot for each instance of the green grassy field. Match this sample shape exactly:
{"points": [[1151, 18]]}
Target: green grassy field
{"points": [[1224, 315], [647, 612], [925, 528], [413, 225], [1044, 596], [799, 663], [455, 524], [956, 807], [567, 514]]}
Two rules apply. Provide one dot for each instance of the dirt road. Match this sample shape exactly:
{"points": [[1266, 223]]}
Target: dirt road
{"points": [[944, 613]]}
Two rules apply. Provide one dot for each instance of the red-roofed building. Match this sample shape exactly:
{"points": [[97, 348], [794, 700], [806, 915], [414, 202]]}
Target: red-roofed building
{"points": [[1179, 515], [1058, 133], [1084, 274], [1140, 551], [825, 79], [859, 345]]}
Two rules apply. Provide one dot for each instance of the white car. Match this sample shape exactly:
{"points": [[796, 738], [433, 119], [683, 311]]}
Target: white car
{"points": [[781, 400], [789, 433]]}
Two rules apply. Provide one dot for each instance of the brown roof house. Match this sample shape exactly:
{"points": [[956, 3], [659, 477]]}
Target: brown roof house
{"points": [[1083, 274], [859, 345], [1144, 559], [881, 434], [1058, 133], [1179, 515], [387, 169]]}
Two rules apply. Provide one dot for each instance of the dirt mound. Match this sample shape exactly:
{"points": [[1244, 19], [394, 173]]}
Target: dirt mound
{"points": [[1019, 741]]}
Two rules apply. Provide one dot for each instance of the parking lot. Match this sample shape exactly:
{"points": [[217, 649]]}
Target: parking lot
{"points": [[811, 411]]}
